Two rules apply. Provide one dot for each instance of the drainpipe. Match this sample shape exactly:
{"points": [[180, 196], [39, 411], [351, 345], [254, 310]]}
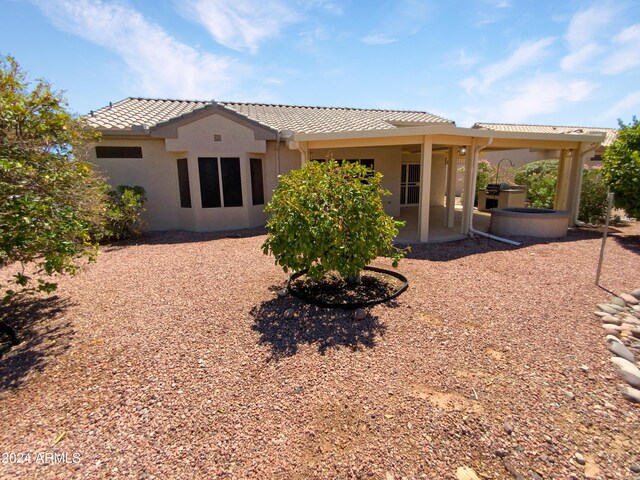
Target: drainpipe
{"points": [[472, 231]]}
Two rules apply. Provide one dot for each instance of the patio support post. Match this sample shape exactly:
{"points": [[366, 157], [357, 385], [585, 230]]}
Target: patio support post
{"points": [[451, 189], [467, 204], [560, 202], [575, 184], [425, 189]]}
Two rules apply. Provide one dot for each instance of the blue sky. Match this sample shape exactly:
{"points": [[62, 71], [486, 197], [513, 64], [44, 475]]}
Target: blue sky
{"points": [[516, 61]]}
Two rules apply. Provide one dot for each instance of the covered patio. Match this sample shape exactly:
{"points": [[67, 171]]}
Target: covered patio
{"points": [[420, 165]]}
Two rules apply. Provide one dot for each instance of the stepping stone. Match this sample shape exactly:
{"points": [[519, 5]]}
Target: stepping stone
{"points": [[605, 307], [636, 293], [612, 338], [627, 371], [612, 319], [630, 299], [618, 301], [631, 394], [621, 351]]}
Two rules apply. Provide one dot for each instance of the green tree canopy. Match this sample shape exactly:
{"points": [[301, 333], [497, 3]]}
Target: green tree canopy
{"points": [[621, 168], [50, 197], [328, 216]]}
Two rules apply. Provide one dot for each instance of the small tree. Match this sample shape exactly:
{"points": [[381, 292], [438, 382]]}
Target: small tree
{"points": [[540, 178], [124, 213], [621, 168], [329, 217], [593, 197], [51, 199]]}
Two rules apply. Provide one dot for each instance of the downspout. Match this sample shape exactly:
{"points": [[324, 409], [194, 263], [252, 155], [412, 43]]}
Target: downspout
{"points": [[472, 231]]}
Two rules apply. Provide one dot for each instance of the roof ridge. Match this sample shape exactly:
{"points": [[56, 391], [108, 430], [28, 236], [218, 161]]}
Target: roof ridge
{"points": [[542, 125], [322, 107]]}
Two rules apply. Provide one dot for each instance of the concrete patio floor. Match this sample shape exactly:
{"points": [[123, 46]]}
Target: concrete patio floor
{"points": [[438, 232]]}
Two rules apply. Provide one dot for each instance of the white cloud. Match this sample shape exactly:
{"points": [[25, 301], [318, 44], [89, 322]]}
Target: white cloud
{"points": [[625, 106], [464, 59], [239, 24], [544, 94], [626, 54], [161, 65], [377, 39], [583, 35], [330, 6], [527, 54]]}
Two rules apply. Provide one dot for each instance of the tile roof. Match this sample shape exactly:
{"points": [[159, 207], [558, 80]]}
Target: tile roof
{"points": [[611, 133], [134, 112]]}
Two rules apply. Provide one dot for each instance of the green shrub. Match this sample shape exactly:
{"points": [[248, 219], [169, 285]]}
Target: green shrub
{"points": [[621, 168], [486, 175], [124, 213], [329, 217], [540, 178], [593, 197]]}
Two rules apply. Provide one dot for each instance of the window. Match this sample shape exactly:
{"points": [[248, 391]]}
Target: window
{"points": [[220, 182], [257, 186], [231, 182], [209, 182], [118, 152], [183, 183]]}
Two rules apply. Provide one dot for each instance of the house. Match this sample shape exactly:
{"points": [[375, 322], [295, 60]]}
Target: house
{"points": [[209, 165]]}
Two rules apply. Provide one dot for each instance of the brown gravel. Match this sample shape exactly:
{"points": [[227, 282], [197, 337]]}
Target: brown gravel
{"points": [[171, 358]]}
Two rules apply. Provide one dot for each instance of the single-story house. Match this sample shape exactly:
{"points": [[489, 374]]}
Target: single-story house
{"points": [[211, 166]]}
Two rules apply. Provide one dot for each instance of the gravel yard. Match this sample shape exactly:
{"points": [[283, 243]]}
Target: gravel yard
{"points": [[171, 358]]}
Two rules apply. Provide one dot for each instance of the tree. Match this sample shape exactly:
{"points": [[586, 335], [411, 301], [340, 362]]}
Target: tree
{"points": [[326, 217], [540, 177], [621, 168], [50, 199]]}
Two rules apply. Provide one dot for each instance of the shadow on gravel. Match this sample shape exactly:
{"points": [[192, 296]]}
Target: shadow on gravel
{"points": [[172, 237], [447, 251], [38, 341], [325, 327], [629, 242]]}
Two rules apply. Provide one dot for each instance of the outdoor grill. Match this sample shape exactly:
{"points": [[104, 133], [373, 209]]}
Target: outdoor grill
{"points": [[493, 189]]}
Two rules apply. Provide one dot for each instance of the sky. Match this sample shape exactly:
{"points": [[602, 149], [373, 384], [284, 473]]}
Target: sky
{"points": [[553, 62]]}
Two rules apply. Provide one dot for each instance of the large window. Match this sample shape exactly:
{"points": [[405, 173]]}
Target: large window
{"points": [[220, 182], [118, 152], [183, 183], [257, 183]]}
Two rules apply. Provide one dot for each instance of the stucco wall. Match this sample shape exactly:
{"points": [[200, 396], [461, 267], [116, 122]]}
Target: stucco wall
{"points": [[387, 161], [438, 180]]}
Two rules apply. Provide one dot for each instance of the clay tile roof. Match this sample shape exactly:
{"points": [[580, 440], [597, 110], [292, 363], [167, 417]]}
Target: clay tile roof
{"points": [[610, 133], [134, 113]]}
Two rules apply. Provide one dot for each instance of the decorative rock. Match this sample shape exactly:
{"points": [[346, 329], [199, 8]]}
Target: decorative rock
{"points": [[601, 314], [631, 394], [611, 319], [501, 453], [585, 369], [360, 314], [508, 427], [636, 293], [612, 338], [627, 371], [621, 351], [282, 292], [579, 458], [635, 332], [635, 467], [612, 329], [607, 308], [288, 313], [466, 473], [631, 320], [618, 301], [630, 299], [617, 307], [636, 307]]}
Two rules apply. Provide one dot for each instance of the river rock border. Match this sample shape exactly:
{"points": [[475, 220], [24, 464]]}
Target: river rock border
{"points": [[621, 322]]}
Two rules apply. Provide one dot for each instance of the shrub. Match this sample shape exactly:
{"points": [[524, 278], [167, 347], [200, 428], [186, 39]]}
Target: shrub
{"points": [[593, 197], [124, 213], [540, 178], [621, 168], [329, 217], [486, 175]]}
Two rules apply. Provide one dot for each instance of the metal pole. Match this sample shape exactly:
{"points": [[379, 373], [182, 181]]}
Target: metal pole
{"points": [[604, 235]]}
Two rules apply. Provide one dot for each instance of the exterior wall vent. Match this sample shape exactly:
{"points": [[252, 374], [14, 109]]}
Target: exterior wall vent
{"points": [[217, 137]]}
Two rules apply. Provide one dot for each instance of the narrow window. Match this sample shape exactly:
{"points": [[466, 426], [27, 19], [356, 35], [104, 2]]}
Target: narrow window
{"points": [[257, 186], [183, 183], [231, 182], [209, 182], [118, 152]]}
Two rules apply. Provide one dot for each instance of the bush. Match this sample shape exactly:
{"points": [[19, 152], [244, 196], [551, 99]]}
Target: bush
{"points": [[540, 178], [124, 211], [621, 168], [593, 197], [486, 175], [329, 217], [51, 199]]}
